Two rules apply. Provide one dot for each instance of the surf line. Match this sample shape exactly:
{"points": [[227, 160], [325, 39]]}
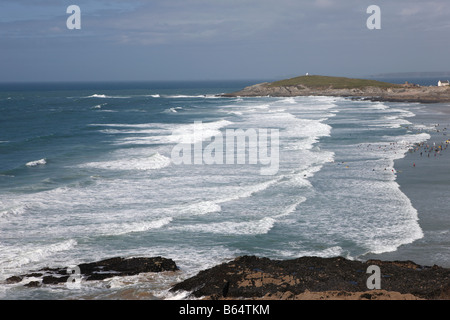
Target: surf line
{"points": [[231, 149]]}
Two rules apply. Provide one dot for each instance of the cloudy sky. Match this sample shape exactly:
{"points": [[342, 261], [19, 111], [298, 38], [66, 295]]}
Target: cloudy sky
{"points": [[219, 39]]}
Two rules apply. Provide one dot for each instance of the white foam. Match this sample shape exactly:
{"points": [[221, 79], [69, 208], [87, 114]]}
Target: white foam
{"points": [[409, 140], [227, 193], [289, 100], [103, 96], [179, 295], [154, 162], [375, 215], [13, 210], [157, 133], [378, 106], [390, 122], [12, 258], [179, 96], [97, 96], [140, 226], [184, 133], [36, 163], [390, 233], [201, 208], [197, 132], [256, 227], [370, 210], [291, 208], [99, 106], [111, 131], [127, 125], [247, 191], [330, 252]]}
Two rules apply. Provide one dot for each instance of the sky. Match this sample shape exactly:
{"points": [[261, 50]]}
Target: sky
{"points": [[159, 40]]}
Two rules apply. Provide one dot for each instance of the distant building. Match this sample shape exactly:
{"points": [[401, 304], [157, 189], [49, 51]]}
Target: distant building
{"points": [[410, 85], [443, 83]]}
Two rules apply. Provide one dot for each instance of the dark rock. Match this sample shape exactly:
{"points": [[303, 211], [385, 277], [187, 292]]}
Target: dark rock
{"points": [[14, 279], [101, 270], [125, 267], [33, 284], [367, 296], [253, 277], [54, 279], [225, 289]]}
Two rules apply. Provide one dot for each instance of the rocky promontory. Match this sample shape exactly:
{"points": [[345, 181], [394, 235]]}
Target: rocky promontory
{"points": [[346, 87], [250, 277]]}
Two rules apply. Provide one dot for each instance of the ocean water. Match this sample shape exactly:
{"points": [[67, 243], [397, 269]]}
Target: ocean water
{"points": [[87, 172]]}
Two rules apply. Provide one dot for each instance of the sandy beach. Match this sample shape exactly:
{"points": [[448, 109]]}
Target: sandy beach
{"points": [[424, 175]]}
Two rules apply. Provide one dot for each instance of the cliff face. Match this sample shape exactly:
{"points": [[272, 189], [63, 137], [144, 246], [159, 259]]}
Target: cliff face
{"points": [[396, 93]]}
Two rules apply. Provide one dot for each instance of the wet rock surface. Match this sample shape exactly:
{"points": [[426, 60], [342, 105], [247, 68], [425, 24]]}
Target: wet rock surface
{"points": [[250, 277], [99, 270]]}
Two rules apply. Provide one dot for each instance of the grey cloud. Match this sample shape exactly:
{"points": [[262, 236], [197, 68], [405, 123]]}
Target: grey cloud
{"points": [[222, 38]]}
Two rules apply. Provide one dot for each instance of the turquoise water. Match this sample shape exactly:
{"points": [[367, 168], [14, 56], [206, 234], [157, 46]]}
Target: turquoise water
{"points": [[87, 172]]}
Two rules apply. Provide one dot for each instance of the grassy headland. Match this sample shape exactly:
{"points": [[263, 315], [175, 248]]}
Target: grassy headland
{"points": [[315, 85], [317, 82]]}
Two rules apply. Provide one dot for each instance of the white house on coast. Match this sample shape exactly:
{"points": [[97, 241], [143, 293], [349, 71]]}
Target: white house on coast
{"points": [[443, 83]]}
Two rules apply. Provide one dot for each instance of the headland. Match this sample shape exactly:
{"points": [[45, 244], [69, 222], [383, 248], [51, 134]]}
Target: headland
{"points": [[316, 85]]}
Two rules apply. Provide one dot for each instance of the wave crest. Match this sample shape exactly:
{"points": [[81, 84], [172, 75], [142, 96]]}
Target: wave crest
{"points": [[36, 163]]}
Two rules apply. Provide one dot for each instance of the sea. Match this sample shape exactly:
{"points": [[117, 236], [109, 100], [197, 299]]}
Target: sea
{"points": [[90, 171]]}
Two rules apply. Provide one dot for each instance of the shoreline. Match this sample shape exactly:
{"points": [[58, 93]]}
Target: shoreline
{"points": [[435, 103], [261, 278], [397, 93], [279, 286], [423, 178]]}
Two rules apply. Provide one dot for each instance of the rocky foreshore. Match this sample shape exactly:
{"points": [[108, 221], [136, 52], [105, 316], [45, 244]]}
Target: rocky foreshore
{"points": [[404, 93], [99, 270], [251, 277], [254, 278]]}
